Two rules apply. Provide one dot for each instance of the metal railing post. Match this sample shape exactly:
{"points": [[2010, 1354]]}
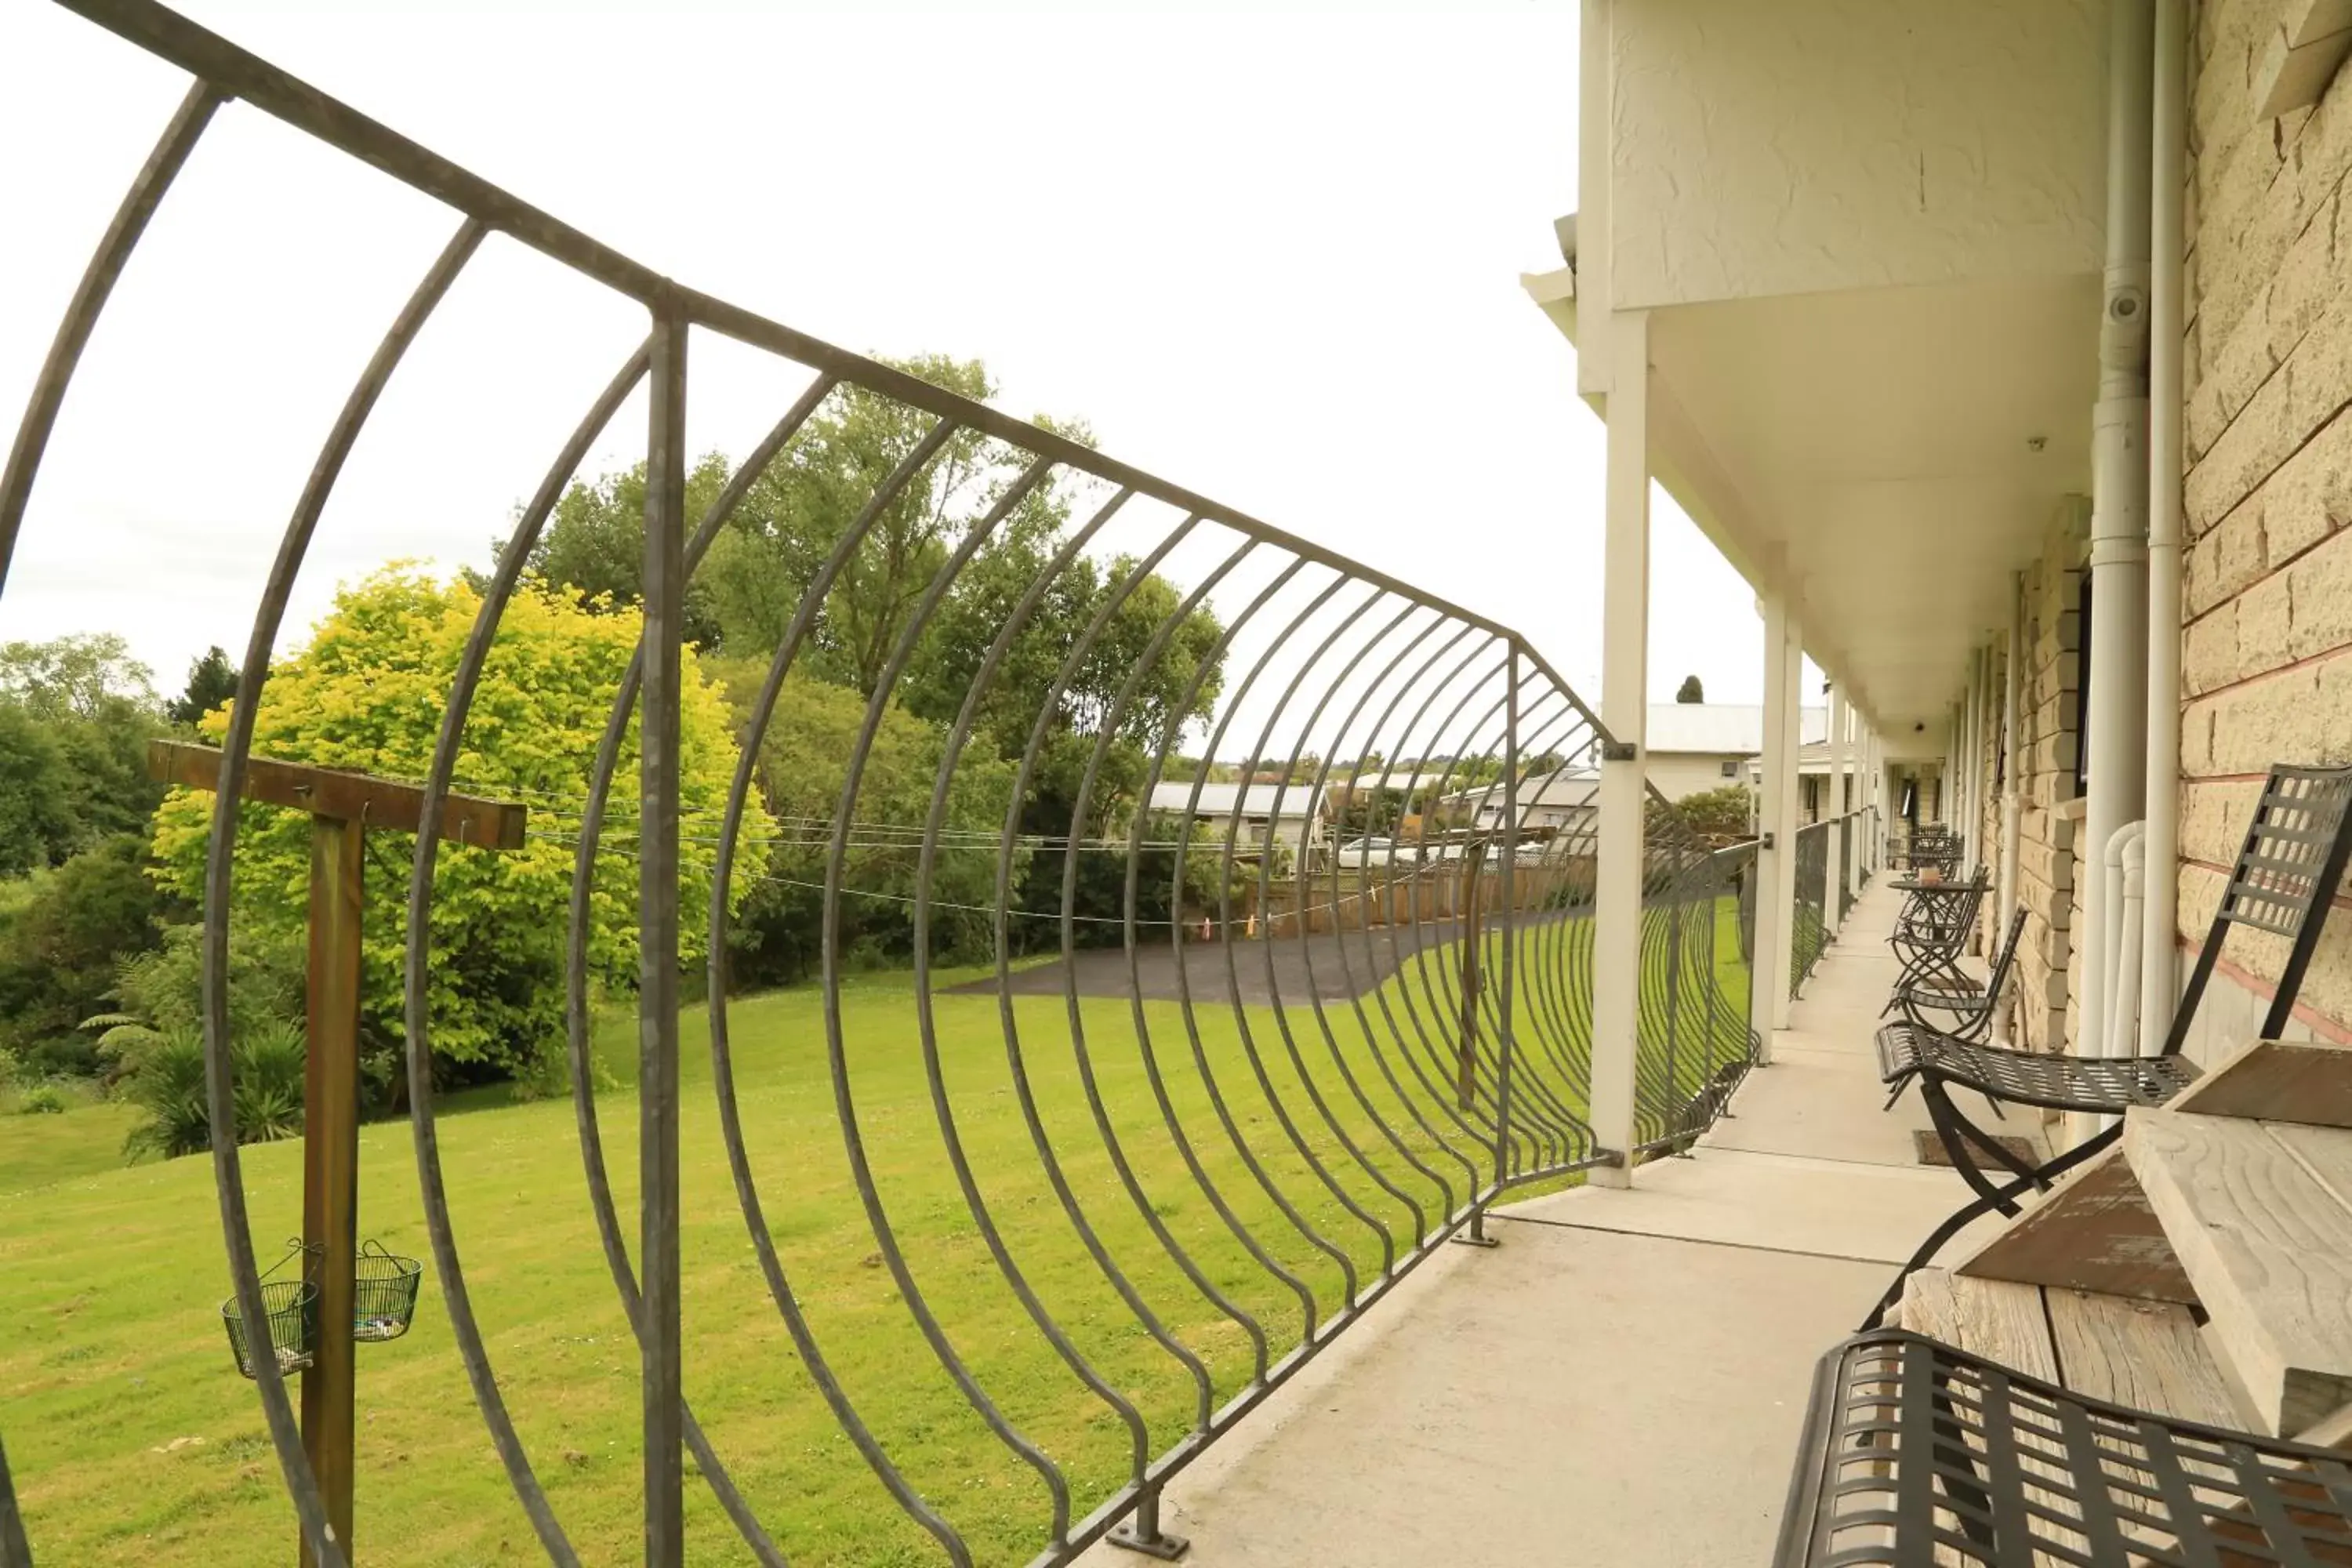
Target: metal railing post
{"points": [[659, 1327]]}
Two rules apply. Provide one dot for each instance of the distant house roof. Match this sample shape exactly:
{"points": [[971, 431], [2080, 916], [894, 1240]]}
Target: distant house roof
{"points": [[1217, 799], [1563, 787], [1722, 728]]}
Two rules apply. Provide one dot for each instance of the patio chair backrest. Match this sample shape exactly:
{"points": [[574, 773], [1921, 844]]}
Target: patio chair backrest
{"points": [[2000, 965], [2283, 883]]}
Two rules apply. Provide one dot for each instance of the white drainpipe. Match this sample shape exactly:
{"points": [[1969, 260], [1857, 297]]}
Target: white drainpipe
{"points": [[2168, 153], [2130, 900], [2117, 742], [2116, 1020]]}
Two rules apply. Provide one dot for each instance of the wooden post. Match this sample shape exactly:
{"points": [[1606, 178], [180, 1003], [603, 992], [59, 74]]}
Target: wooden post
{"points": [[342, 806], [330, 1161]]}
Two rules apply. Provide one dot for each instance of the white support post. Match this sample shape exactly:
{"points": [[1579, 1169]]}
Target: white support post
{"points": [[1768, 985], [1856, 801], [1792, 667], [1624, 710], [1834, 807]]}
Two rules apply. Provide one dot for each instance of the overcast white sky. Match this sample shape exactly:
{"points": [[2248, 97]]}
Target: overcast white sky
{"points": [[1275, 258]]}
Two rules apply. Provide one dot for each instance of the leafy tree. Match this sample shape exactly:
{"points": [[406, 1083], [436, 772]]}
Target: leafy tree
{"points": [[367, 693], [796, 515], [1690, 690], [37, 821], [595, 544], [803, 762], [96, 705], [1719, 815], [60, 950], [212, 681]]}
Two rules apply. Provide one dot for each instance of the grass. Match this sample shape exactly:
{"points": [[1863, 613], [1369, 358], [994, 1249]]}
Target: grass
{"points": [[133, 1440]]}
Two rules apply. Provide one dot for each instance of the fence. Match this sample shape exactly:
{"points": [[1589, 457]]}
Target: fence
{"points": [[1228, 1149]]}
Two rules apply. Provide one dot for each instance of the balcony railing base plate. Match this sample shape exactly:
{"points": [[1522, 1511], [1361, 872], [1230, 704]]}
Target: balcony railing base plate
{"points": [[1160, 1544], [1463, 1238]]}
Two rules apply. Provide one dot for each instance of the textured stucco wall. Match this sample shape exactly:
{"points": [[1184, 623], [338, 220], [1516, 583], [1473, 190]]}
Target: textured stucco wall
{"points": [[1816, 145], [2266, 657]]}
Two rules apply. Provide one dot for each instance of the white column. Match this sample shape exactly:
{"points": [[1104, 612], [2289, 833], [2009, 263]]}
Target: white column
{"points": [[1624, 683], [1833, 806], [1849, 775], [1793, 713], [1768, 985]]}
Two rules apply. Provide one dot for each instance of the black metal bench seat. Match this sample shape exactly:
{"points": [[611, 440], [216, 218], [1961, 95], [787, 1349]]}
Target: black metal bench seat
{"points": [[1919, 1453], [2030, 1078]]}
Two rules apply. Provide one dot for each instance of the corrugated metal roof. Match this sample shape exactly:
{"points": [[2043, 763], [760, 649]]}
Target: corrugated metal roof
{"points": [[1217, 799], [1722, 728]]}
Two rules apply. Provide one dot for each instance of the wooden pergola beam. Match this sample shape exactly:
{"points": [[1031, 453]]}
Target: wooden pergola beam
{"points": [[345, 797]]}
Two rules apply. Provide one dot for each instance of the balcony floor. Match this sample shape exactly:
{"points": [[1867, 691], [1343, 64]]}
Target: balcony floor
{"points": [[1623, 1380]]}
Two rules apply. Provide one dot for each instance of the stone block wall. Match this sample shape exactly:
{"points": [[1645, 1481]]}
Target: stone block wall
{"points": [[2266, 654], [2048, 738]]}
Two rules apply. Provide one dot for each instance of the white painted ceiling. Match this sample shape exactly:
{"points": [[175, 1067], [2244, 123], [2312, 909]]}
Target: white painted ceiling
{"points": [[1874, 447]]}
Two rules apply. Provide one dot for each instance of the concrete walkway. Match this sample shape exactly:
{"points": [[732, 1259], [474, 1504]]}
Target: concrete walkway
{"points": [[1622, 1382]]}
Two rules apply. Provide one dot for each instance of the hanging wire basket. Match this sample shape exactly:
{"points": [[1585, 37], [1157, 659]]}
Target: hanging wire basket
{"points": [[290, 1324], [385, 1303]]}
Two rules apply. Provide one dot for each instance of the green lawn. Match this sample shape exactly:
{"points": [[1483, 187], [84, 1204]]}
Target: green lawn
{"points": [[133, 1440]]}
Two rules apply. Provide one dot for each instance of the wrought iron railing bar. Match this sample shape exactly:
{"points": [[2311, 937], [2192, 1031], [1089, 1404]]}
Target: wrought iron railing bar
{"points": [[730, 1123], [1210, 1081], [1534, 1015], [436, 788], [1506, 1041], [586, 846], [943, 1104], [1274, 981], [1558, 1117], [1437, 975], [1443, 957], [1547, 1006], [90, 296], [1555, 1009], [1429, 1047], [1317, 789], [227, 806], [15, 1551], [1185, 704], [513, 557], [1071, 664], [1486, 1047], [1186, 1147], [853, 1139], [1431, 1093]]}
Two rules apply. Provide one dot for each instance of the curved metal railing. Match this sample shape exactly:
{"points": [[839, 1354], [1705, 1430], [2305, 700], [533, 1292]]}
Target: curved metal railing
{"points": [[1258, 1074]]}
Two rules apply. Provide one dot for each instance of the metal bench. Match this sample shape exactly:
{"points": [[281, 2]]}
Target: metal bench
{"points": [[1915, 1452], [2291, 864]]}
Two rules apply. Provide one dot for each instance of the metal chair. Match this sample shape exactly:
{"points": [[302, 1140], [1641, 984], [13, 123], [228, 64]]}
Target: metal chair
{"points": [[1931, 933], [2288, 869], [1915, 1452], [1970, 1006]]}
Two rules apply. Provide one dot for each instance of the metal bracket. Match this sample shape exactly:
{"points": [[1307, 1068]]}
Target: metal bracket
{"points": [[1164, 1546], [1765, 842], [1620, 752]]}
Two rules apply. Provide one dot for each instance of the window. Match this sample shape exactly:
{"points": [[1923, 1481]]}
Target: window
{"points": [[1731, 768]]}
